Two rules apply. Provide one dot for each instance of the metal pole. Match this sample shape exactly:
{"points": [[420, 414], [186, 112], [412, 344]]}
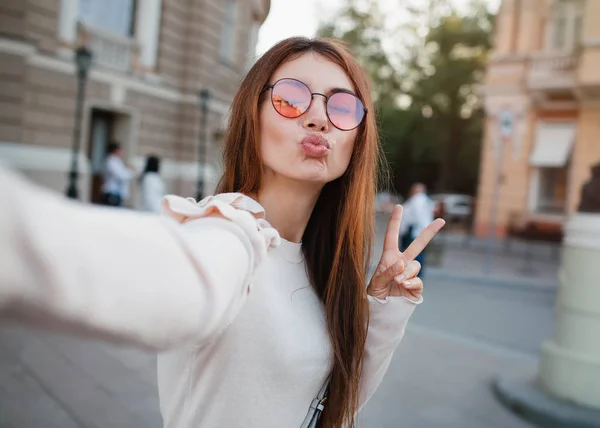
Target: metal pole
{"points": [[490, 250], [202, 137], [72, 191]]}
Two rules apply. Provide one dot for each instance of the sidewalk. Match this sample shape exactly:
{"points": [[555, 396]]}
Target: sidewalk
{"points": [[56, 381]]}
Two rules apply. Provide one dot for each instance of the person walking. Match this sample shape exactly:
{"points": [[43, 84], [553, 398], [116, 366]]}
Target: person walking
{"points": [[152, 186], [117, 176], [257, 297], [418, 214]]}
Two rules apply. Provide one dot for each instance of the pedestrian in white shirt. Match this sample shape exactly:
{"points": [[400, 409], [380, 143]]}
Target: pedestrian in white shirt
{"points": [[417, 215], [152, 186], [258, 293], [117, 176]]}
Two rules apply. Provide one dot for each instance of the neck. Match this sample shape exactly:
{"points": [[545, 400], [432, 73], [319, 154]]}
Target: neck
{"points": [[288, 205]]}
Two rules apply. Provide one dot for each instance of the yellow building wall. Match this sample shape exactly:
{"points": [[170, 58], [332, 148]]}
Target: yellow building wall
{"points": [[514, 182], [520, 31], [589, 62]]}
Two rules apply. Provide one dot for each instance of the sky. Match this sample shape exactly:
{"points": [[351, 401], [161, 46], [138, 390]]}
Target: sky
{"points": [[301, 18]]}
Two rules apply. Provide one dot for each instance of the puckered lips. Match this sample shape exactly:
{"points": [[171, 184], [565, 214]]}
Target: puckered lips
{"points": [[315, 145]]}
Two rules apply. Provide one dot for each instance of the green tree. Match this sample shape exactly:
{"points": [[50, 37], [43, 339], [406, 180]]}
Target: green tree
{"points": [[428, 110], [442, 76], [363, 31]]}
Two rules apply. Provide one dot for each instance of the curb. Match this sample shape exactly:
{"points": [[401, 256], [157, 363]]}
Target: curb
{"points": [[523, 397]]}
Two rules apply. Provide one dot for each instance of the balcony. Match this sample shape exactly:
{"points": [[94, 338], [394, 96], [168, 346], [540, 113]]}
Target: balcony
{"points": [[552, 73], [111, 51]]}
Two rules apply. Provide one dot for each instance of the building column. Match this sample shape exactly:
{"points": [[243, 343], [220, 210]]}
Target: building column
{"points": [[147, 31], [529, 23], [507, 27]]}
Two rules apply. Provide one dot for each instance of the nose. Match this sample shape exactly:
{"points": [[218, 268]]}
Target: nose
{"points": [[315, 118]]}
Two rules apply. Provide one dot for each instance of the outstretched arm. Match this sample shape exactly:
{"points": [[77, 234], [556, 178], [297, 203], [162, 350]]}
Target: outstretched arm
{"points": [[123, 276]]}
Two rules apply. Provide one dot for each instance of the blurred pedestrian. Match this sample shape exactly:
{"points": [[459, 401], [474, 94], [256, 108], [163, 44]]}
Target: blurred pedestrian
{"points": [[418, 214], [116, 177], [152, 186], [260, 292]]}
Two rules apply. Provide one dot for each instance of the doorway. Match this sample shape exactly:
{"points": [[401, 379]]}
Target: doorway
{"points": [[101, 129], [106, 126]]}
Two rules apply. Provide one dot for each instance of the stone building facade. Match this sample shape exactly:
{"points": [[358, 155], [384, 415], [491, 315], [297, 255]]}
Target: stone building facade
{"points": [[542, 98], [150, 60]]}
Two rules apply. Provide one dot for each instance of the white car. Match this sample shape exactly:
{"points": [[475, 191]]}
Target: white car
{"points": [[457, 207]]}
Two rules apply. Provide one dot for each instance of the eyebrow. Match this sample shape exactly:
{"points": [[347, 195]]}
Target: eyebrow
{"points": [[344, 90], [329, 91]]}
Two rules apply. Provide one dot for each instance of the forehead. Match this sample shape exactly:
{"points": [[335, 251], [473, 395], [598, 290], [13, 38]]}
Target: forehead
{"points": [[318, 72]]}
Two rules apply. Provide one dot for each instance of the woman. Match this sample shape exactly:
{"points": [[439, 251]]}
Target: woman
{"points": [[259, 295], [152, 186]]}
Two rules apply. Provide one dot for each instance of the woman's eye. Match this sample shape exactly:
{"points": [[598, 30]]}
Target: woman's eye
{"points": [[340, 109]]}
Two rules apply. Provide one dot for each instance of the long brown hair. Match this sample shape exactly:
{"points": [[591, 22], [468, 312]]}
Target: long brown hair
{"points": [[337, 240]]}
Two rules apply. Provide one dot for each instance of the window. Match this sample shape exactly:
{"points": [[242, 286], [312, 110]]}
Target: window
{"points": [[228, 31], [113, 16], [550, 157], [560, 27], [565, 25], [551, 190]]}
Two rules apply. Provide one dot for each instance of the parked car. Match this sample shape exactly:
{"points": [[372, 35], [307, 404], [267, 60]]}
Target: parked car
{"points": [[453, 207]]}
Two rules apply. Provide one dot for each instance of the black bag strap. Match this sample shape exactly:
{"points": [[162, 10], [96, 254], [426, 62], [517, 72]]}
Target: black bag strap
{"points": [[316, 406]]}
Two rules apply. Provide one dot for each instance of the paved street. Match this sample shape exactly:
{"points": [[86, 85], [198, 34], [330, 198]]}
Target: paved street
{"points": [[463, 335]]}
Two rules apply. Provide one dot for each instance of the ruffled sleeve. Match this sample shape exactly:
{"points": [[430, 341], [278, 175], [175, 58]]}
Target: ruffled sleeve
{"points": [[245, 212], [154, 281]]}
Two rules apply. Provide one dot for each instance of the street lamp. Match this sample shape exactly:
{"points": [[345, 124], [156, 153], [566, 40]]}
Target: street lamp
{"points": [[83, 61], [203, 99]]}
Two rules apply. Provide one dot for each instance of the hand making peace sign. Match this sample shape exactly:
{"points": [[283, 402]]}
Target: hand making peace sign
{"points": [[396, 273]]}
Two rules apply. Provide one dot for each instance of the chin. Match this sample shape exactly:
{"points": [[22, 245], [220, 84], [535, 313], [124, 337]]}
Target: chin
{"points": [[308, 172], [315, 173]]}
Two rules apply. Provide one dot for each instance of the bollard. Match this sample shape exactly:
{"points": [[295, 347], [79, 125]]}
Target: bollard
{"points": [[570, 363]]}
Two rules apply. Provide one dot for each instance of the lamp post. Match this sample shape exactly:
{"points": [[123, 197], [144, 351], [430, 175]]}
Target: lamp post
{"points": [[203, 99], [83, 61]]}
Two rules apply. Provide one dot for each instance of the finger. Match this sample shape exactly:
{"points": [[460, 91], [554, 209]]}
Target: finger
{"points": [[388, 258], [392, 232], [411, 270], [384, 278], [421, 241], [413, 285]]}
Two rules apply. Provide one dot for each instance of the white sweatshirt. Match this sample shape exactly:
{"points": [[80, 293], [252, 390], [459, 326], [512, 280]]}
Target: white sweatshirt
{"points": [[211, 284]]}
